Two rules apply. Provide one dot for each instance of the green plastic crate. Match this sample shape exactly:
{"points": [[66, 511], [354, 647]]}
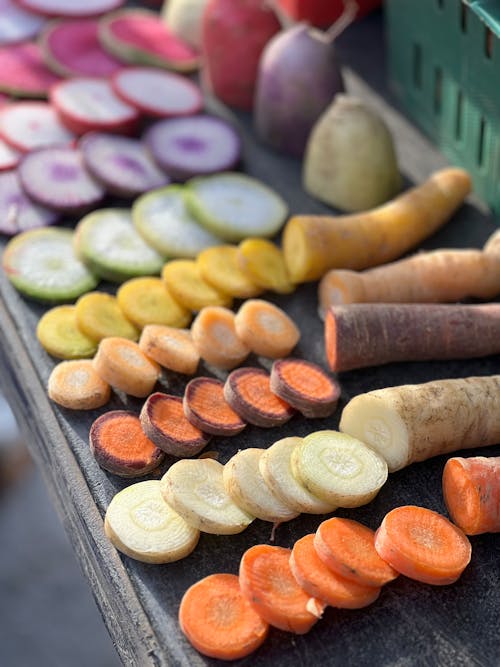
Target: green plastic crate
{"points": [[444, 66]]}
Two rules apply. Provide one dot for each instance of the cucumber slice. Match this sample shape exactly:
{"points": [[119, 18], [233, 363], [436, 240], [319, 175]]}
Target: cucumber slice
{"points": [[17, 212], [16, 24], [65, 9], [23, 72], [235, 206], [27, 126], [162, 219], [41, 264], [121, 164], [107, 241]]}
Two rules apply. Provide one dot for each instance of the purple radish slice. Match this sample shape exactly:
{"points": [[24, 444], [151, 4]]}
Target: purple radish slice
{"points": [[17, 212], [57, 178], [27, 126], [194, 146], [23, 72], [9, 157], [72, 48], [141, 37], [86, 104], [123, 165], [70, 8], [16, 24], [158, 93]]}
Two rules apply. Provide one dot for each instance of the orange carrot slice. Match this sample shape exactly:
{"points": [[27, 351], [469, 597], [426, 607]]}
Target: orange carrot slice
{"points": [[170, 347], [215, 338], [120, 446], [423, 545], [76, 385], [305, 386], [471, 488], [218, 620], [207, 409], [267, 582], [266, 329], [347, 547], [325, 584], [248, 392], [164, 422]]}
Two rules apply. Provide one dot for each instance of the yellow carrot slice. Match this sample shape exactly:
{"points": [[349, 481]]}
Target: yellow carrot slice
{"points": [[215, 338], [123, 364], [76, 385], [263, 262], [99, 316], [170, 347], [266, 329], [219, 266], [59, 335], [146, 300], [186, 285]]}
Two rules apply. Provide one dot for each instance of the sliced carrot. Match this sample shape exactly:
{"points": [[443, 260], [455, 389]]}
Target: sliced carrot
{"points": [[146, 300], [206, 408], [76, 385], [120, 446], [214, 336], [164, 422], [185, 283], [264, 264], [248, 392], [325, 584], [219, 267], [266, 329], [59, 335], [471, 488], [347, 548], [170, 347], [218, 620], [423, 545], [98, 316], [267, 582]]}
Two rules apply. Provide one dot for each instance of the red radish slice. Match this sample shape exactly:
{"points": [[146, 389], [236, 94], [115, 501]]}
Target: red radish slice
{"points": [[122, 165], [23, 72], [158, 93], [70, 8], [86, 104], [9, 157], [16, 24], [141, 37], [58, 179], [30, 125], [17, 212], [71, 48]]}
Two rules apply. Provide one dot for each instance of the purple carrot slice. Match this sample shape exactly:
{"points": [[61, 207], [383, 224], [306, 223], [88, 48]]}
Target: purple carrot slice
{"points": [[193, 146], [70, 8], [57, 178], [305, 386], [206, 408], [27, 126], [17, 212], [9, 157], [17, 24], [123, 165], [23, 72], [71, 48], [158, 93]]}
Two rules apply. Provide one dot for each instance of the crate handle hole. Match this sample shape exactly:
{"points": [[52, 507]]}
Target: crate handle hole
{"points": [[488, 42], [463, 17], [417, 65]]}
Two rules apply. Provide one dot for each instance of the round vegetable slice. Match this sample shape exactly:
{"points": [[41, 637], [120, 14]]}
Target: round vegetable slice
{"points": [[148, 301], [236, 206], [58, 333], [9, 157], [63, 8], [17, 24], [57, 178], [122, 364], [99, 316], [75, 385], [71, 48], [121, 164], [41, 264], [185, 283], [215, 338], [30, 125], [266, 329], [140, 37], [141, 525], [107, 241], [219, 266], [205, 407], [23, 72], [170, 347], [263, 262], [162, 219], [195, 145], [18, 212], [158, 93]]}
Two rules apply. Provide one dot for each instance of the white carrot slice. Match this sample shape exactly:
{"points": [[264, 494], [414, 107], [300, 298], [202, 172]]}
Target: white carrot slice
{"points": [[76, 385], [30, 125]]}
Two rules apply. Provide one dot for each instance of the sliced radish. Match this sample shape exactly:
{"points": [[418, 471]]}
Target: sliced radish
{"points": [[89, 103], [122, 165], [158, 93], [16, 24], [57, 178], [70, 8], [141, 37], [9, 157], [71, 48], [23, 72], [196, 145], [30, 125], [17, 212]]}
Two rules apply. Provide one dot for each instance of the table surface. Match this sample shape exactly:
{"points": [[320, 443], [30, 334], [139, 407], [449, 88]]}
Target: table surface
{"points": [[410, 623]]}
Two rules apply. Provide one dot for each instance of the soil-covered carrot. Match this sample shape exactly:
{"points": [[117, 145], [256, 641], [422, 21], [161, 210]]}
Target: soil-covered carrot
{"points": [[471, 489], [323, 583], [170, 347], [219, 621], [423, 545], [120, 446], [123, 364], [267, 582], [146, 300], [60, 336], [186, 285], [76, 385], [248, 392], [347, 547], [214, 336], [411, 423], [262, 261], [98, 315], [313, 244], [266, 329], [219, 266], [370, 334], [207, 409]]}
